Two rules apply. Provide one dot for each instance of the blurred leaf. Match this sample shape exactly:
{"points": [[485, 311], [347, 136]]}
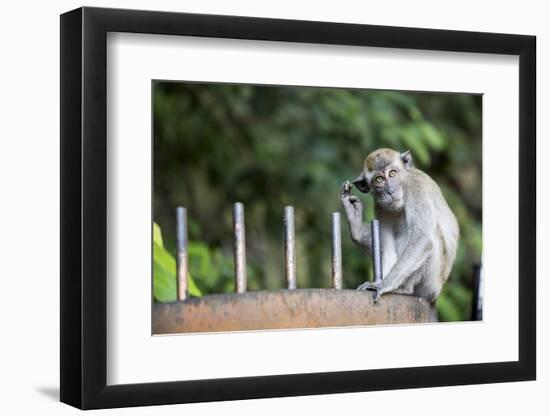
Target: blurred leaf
{"points": [[157, 235], [413, 141], [432, 136]]}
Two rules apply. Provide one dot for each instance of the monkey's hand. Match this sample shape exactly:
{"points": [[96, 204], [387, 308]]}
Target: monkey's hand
{"points": [[369, 286], [352, 204], [378, 289]]}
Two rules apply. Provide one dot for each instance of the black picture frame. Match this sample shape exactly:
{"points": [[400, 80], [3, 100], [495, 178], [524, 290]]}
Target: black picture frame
{"points": [[84, 207]]}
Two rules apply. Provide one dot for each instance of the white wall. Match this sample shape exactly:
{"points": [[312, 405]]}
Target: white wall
{"points": [[29, 165]]}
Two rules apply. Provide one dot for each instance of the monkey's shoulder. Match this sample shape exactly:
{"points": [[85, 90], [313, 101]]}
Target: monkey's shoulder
{"points": [[428, 197], [423, 186], [422, 179]]}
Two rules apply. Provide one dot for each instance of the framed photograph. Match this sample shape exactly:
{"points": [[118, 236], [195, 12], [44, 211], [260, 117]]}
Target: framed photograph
{"points": [[258, 208]]}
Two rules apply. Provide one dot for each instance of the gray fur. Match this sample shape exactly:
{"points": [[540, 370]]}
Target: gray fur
{"points": [[419, 232]]}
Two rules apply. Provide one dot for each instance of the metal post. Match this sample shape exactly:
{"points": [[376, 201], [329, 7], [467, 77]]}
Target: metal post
{"points": [[376, 250], [477, 302], [181, 243], [239, 248], [337, 281], [290, 252]]}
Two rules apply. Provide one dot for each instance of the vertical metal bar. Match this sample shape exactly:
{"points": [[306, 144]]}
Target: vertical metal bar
{"points": [[181, 243], [290, 249], [239, 248], [337, 281], [376, 250], [477, 301]]}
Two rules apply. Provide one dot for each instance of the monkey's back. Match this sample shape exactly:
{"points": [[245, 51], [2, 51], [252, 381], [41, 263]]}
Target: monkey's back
{"points": [[445, 230]]}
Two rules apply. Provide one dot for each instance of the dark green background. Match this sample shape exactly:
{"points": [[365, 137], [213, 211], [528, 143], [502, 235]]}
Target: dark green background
{"points": [[271, 146]]}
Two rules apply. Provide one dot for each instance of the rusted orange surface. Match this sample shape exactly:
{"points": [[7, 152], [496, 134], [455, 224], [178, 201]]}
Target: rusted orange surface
{"points": [[286, 309]]}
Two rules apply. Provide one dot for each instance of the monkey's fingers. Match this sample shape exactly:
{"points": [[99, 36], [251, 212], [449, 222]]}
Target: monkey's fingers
{"points": [[346, 188], [355, 202], [366, 286]]}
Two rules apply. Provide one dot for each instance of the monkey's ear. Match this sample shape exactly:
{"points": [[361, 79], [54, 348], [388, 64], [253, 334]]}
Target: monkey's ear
{"points": [[407, 159], [361, 183]]}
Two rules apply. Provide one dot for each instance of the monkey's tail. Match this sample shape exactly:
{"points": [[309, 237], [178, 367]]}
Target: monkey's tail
{"points": [[434, 318]]}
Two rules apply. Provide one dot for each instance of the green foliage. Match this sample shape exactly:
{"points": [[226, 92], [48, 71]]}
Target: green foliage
{"points": [[269, 147], [164, 272], [454, 303]]}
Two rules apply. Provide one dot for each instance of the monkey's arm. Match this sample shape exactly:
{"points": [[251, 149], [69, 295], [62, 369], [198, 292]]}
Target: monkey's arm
{"points": [[360, 232], [410, 260]]}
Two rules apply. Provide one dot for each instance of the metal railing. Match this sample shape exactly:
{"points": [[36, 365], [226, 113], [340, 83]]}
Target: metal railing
{"points": [[239, 250]]}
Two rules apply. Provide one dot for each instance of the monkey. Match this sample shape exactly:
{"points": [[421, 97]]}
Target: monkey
{"points": [[418, 231]]}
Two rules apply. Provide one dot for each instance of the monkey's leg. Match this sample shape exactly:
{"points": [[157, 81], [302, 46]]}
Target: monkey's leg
{"points": [[403, 291], [376, 288], [406, 273], [406, 289]]}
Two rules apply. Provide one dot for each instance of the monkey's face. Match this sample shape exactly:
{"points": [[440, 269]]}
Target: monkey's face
{"points": [[384, 173], [387, 187]]}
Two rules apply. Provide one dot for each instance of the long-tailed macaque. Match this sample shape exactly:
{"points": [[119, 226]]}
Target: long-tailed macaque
{"points": [[418, 232]]}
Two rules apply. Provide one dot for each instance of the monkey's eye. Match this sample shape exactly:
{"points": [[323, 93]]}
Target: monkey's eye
{"points": [[392, 173], [379, 179]]}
